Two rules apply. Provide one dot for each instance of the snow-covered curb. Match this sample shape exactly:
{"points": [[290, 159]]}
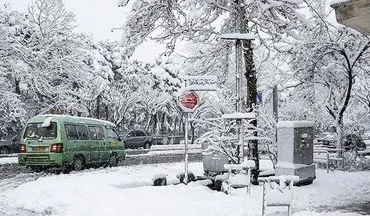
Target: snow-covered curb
{"points": [[8, 160]]}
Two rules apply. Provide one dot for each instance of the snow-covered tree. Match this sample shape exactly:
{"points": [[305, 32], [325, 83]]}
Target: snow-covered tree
{"points": [[203, 21], [53, 71], [327, 63], [12, 108]]}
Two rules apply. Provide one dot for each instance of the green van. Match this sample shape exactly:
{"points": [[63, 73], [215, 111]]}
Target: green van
{"points": [[69, 142]]}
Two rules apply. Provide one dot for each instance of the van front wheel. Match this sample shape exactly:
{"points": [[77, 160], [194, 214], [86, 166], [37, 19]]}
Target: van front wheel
{"points": [[113, 160], [78, 163]]}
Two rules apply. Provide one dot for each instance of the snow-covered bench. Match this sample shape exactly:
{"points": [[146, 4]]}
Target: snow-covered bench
{"points": [[278, 191], [238, 180]]}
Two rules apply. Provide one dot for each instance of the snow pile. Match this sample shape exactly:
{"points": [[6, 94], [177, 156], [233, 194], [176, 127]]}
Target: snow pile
{"points": [[278, 194], [8, 160], [47, 122], [240, 179], [106, 192]]}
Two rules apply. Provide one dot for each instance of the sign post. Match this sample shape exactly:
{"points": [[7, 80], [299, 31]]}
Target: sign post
{"points": [[188, 102]]}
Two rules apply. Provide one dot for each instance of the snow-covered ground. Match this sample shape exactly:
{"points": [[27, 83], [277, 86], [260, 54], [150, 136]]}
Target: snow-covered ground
{"points": [[8, 160], [128, 191]]}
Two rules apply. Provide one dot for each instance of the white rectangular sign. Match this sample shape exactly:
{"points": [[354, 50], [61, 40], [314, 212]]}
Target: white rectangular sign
{"points": [[201, 83]]}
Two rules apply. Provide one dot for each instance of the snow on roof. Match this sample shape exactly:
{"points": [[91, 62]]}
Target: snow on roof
{"points": [[239, 115], [47, 122], [78, 117], [294, 124]]}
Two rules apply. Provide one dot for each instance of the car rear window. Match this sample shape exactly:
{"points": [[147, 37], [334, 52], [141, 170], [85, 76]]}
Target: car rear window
{"points": [[36, 131]]}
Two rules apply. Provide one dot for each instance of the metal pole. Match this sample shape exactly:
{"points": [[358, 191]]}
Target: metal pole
{"points": [[275, 105], [238, 77], [327, 162], [239, 95], [186, 147], [241, 138]]}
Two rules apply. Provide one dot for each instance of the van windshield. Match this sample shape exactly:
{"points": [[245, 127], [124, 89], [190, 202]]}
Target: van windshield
{"points": [[36, 131]]}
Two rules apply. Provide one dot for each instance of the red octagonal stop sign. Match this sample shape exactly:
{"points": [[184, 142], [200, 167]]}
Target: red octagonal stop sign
{"points": [[189, 101]]}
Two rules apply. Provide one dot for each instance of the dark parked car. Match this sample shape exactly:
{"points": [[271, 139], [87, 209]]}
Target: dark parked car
{"points": [[9, 145], [352, 141], [137, 139]]}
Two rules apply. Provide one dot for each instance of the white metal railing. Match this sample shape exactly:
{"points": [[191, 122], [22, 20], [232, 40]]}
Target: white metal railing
{"points": [[328, 155]]}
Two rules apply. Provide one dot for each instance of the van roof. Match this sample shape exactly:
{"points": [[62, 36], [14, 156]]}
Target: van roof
{"points": [[65, 118]]}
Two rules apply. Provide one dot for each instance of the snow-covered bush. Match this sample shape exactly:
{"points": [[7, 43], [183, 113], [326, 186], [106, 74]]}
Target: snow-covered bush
{"points": [[223, 139], [355, 162]]}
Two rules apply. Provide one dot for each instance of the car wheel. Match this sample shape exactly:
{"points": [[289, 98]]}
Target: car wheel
{"points": [[147, 145], [78, 163], [113, 160], [4, 150]]}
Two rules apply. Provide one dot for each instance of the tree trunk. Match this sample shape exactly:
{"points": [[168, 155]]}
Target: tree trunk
{"points": [[251, 90], [250, 75], [98, 107], [339, 129], [106, 112], [155, 122], [175, 125], [17, 87]]}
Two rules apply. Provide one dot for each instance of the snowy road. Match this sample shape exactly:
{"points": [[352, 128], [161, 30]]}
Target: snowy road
{"points": [[126, 189], [9, 167]]}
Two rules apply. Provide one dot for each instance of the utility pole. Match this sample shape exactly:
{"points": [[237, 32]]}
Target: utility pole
{"points": [[244, 51]]}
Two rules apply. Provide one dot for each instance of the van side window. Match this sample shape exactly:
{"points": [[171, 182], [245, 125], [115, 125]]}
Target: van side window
{"points": [[112, 134], [82, 132], [100, 133], [96, 133], [71, 132]]}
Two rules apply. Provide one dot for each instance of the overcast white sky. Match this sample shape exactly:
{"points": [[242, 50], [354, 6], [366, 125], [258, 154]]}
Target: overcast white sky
{"points": [[98, 17]]}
